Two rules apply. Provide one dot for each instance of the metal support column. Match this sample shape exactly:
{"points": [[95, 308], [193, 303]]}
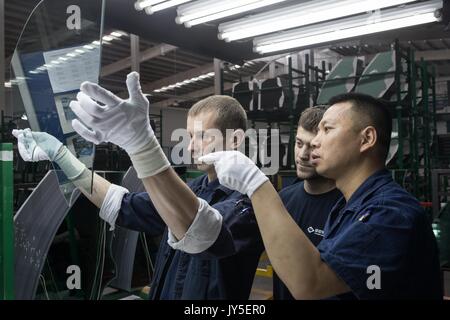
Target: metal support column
{"points": [[135, 53], [218, 76], [426, 118], [435, 151], [307, 82], [2, 61], [6, 222], [292, 125], [414, 123], [311, 62], [398, 107]]}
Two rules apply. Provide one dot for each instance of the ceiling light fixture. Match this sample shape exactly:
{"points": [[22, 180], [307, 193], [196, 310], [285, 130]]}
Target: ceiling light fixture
{"points": [[408, 16], [209, 10], [152, 6], [299, 15]]}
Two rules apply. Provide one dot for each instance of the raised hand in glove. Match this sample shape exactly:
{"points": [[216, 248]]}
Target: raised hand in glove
{"points": [[235, 171], [122, 122], [38, 146]]}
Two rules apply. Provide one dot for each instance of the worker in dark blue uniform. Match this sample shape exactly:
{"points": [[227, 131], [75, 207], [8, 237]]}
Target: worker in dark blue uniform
{"points": [[311, 197], [225, 270], [378, 242], [211, 244]]}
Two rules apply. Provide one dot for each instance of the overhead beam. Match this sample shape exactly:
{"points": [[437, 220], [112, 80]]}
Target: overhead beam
{"points": [[181, 76], [111, 87], [178, 61], [198, 94], [433, 55], [145, 55], [443, 78], [192, 96]]}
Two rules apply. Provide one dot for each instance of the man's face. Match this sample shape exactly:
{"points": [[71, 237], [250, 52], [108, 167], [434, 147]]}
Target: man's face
{"points": [[337, 144], [205, 137], [303, 149]]}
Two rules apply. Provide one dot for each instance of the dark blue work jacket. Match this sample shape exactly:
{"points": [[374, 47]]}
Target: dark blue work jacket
{"points": [[225, 270], [381, 244]]}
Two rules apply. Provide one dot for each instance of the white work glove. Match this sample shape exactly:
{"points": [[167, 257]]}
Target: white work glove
{"points": [[38, 146], [236, 171], [29, 144], [122, 122]]}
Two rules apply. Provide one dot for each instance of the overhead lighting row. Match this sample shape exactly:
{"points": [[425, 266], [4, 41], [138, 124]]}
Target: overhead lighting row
{"points": [[152, 6], [303, 14], [391, 19], [303, 24], [193, 80], [106, 39], [209, 10]]}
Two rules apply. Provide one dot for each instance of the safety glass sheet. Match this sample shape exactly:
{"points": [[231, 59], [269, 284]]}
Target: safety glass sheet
{"points": [[59, 48]]}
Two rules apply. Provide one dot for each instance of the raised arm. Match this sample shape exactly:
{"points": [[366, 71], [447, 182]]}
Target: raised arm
{"points": [[38, 146], [126, 124], [295, 259]]}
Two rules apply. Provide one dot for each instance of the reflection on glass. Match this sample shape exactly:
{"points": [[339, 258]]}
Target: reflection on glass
{"points": [[59, 48]]}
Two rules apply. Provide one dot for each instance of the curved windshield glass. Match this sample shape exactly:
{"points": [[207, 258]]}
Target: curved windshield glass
{"points": [[59, 48]]}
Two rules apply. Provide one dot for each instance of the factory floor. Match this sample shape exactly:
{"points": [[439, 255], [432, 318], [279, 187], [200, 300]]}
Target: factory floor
{"points": [[262, 283], [446, 276]]}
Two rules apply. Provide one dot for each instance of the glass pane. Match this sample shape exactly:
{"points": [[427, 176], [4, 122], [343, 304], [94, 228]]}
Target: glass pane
{"points": [[59, 48]]}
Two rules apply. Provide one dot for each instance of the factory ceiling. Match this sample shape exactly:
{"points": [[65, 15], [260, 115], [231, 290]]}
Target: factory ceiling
{"points": [[171, 53]]}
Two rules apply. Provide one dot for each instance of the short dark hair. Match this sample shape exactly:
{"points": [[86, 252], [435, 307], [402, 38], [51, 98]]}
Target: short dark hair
{"points": [[229, 112], [310, 118], [370, 112]]}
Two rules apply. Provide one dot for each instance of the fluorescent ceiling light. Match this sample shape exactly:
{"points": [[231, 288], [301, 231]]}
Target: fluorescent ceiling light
{"points": [[420, 13], [185, 82], [164, 5], [140, 5], [299, 15], [107, 38], [210, 10], [193, 80], [116, 34]]}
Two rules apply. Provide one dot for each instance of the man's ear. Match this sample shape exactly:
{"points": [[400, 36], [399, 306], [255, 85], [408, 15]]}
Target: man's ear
{"points": [[238, 138], [368, 138]]}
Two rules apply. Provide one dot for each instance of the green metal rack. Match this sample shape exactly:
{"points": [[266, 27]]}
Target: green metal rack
{"points": [[419, 111], [289, 117], [412, 87], [414, 116], [6, 222]]}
